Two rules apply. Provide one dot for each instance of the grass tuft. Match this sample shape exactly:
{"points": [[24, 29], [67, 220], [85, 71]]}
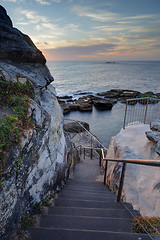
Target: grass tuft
{"points": [[146, 224]]}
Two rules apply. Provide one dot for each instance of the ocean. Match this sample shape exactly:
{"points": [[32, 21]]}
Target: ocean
{"points": [[80, 78]]}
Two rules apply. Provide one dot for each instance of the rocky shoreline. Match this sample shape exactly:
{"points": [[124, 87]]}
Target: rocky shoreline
{"points": [[101, 101]]}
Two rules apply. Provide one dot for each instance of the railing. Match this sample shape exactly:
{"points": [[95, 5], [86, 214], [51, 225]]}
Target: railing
{"points": [[141, 110], [153, 163], [90, 150]]}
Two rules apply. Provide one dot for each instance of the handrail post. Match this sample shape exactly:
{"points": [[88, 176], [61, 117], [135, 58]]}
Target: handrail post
{"points": [[91, 148], [80, 150], [124, 124], [121, 182], [100, 159], [145, 115], [105, 173]]}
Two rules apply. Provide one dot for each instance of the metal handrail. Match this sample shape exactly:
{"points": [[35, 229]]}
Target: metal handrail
{"points": [[153, 163], [143, 112]]}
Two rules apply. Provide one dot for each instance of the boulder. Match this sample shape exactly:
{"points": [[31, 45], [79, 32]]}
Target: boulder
{"points": [[158, 95], [85, 107], [75, 126], [155, 125], [65, 97], [119, 94], [103, 104], [129, 94], [14, 45], [113, 93], [84, 103], [154, 134]]}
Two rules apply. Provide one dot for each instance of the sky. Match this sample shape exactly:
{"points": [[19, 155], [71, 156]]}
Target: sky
{"points": [[90, 30]]}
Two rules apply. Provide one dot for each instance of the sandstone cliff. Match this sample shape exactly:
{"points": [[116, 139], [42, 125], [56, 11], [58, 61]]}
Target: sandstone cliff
{"points": [[38, 164], [141, 183]]}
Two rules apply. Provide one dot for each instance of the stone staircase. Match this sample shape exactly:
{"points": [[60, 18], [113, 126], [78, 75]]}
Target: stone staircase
{"points": [[86, 210]]}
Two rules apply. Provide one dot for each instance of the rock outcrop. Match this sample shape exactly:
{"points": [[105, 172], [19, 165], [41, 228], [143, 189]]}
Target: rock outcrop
{"points": [[16, 46], [40, 162], [141, 183], [119, 94], [154, 134]]}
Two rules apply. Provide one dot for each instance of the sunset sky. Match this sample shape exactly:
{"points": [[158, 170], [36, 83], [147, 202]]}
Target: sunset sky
{"points": [[85, 30]]}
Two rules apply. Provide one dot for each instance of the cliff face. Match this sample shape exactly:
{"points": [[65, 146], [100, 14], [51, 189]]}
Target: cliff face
{"points": [[38, 164], [141, 183], [16, 46]]}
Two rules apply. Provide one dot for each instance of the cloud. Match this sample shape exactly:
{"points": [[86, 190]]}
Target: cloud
{"points": [[143, 16], [78, 52], [43, 2], [14, 1], [58, 1], [97, 15], [32, 16]]}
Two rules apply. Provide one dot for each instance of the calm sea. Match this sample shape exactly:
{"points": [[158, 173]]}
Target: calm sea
{"points": [[74, 78]]}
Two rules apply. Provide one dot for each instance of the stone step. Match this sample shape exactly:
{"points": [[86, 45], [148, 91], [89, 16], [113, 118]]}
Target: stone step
{"points": [[86, 223], [92, 212], [75, 191], [90, 185], [67, 234], [86, 197], [87, 204], [89, 189]]}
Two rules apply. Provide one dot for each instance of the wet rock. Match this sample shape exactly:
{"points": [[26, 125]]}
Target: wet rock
{"points": [[158, 95], [84, 103], [65, 97], [149, 100], [154, 134], [65, 106], [85, 107], [155, 125], [103, 104], [75, 126], [113, 93], [119, 94]]}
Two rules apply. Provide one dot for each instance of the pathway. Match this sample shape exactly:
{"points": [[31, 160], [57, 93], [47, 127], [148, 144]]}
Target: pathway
{"points": [[85, 209]]}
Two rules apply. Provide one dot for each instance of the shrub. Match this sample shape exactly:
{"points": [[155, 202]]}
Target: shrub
{"points": [[14, 103]]}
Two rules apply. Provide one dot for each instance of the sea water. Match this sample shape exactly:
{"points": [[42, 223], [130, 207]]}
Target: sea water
{"points": [[77, 78]]}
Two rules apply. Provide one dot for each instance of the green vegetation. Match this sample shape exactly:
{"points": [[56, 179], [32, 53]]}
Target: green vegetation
{"points": [[144, 224], [14, 103], [147, 94], [9, 131], [28, 220]]}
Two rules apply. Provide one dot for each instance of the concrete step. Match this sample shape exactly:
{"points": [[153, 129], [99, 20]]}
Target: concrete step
{"points": [[86, 223], [88, 204], [91, 186], [86, 184], [90, 212], [86, 197], [67, 234], [89, 190], [75, 191]]}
